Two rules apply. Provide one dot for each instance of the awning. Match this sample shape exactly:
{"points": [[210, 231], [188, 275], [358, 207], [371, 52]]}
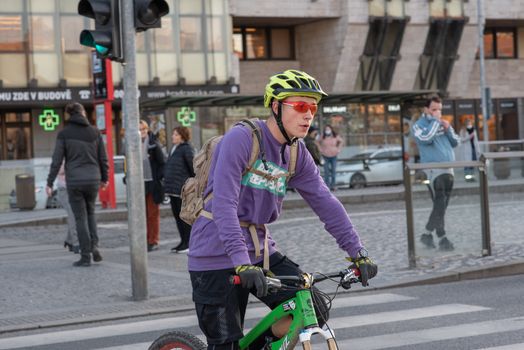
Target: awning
{"points": [[258, 100]]}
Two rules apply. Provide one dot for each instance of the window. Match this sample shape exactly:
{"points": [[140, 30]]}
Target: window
{"points": [[382, 8], [440, 53], [214, 34], [11, 34], [381, 53], [42, 33], [500, 43], [263, 43], [70, 27], [190, 34], [446, 8]]}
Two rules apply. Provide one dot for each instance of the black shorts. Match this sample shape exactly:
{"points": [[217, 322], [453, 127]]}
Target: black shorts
{"points": [[221, 306]]}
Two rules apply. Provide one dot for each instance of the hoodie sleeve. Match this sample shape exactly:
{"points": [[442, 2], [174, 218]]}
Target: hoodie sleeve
{"points": [[58, 157], [102, 160], [425, 134]]}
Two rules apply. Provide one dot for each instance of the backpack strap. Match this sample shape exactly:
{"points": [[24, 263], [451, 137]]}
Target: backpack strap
{"points": [[293, 154]]}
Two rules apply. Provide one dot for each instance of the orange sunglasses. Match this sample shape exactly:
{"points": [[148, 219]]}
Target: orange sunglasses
{"points": [[302, 107]]}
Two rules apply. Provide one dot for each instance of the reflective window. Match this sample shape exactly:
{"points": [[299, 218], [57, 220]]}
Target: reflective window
{"points": [[11, 34], [214, 34], [17, 142], [446, 8], [42, 37], [500, 43], [190, 34], [280, 43], [238, 45], [263, 43], [381, 8], [163, 37], [70, 28], [256, 43]]}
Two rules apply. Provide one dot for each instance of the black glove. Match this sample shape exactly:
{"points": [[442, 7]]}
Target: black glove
{"points": [[252, 276], [368, 269]]}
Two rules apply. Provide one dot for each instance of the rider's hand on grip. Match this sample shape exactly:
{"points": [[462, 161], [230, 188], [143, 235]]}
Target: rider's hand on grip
{"points": [[252, 276], [368, 269]]}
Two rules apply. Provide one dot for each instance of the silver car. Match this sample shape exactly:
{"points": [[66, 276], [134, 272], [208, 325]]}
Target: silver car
{"points": [[377, 167]]}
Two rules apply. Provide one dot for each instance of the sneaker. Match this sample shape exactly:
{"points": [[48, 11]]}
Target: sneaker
{"points": [[174, 249], [152, 247], [182, 249], [427, 240], [445, 245], [96, 255], [85, 260]]}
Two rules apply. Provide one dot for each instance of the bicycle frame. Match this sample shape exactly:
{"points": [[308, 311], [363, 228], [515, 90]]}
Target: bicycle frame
{"points": [[303, 325]]}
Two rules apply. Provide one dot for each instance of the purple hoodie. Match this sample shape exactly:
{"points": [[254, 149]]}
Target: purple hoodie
{"points": [[221, 243]]}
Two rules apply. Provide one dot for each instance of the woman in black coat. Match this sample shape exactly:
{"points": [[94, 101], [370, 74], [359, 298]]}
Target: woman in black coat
{"points": [[179, 168]]}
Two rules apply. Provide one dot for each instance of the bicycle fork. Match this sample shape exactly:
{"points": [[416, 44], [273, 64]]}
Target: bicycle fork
{"points": [[305, 338]]}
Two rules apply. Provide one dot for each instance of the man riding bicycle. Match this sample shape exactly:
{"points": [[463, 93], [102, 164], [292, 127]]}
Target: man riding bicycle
{"points": [[231, 238]]}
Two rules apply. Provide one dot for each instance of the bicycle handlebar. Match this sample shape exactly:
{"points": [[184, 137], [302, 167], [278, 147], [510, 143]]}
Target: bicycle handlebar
{"points": [[347, 277]]}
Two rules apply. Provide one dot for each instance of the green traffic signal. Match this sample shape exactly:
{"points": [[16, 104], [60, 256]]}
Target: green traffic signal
{"points": [[106, 39], [99, 40]]}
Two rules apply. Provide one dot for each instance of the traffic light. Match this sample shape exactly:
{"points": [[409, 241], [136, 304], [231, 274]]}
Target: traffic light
{"points": [[148, 14], [107, 36]]}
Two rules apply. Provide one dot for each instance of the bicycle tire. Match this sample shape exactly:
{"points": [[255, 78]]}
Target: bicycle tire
{"points": [[178, 341]]}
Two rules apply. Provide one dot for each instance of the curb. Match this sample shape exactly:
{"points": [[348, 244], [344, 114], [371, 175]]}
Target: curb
{"points": [[499, 270]]}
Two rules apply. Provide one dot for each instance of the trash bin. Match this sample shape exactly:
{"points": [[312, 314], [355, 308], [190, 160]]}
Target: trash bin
{"points": [[25, 191]]}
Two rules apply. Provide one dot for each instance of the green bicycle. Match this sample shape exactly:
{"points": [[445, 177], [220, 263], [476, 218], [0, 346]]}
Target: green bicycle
{"points": [[304, 319]]}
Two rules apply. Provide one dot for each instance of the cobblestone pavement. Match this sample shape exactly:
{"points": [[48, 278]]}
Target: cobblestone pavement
{"points": [[37, 281]]}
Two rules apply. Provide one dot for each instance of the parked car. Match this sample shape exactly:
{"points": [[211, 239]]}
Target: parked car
{"points": [[382, 166]]}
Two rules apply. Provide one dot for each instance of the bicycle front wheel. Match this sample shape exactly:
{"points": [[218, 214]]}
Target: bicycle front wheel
{"points": [[178, 341]]}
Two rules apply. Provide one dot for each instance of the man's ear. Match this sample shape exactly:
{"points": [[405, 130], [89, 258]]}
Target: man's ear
{"points": [[274, 107]]}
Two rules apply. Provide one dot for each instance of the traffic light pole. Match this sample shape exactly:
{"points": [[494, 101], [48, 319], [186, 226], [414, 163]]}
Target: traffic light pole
{"points": [[136, 217]]}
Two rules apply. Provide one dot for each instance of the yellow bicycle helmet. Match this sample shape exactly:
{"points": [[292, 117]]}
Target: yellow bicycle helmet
{"points": [[292, 83]]}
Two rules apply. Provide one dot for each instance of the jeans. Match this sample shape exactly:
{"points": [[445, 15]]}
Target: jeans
{"points": [[330, 170], [82, 200], [183, 228], [440, 194]]}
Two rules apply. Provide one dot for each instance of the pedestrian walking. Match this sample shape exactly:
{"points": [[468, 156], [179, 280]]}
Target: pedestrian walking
{"points": [[82, 147], [469, 147], [71, 240], [179, 167], [436, 139], [153, 167], [330, 146]]}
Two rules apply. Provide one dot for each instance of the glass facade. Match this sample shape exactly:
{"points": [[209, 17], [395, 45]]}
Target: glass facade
{"points": [[39, 43]]}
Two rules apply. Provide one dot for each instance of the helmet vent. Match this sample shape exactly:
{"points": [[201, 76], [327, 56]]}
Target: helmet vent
{"points": [[293, 83], [305, 82]]}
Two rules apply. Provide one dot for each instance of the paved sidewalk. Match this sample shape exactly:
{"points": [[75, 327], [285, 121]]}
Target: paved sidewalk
{"points": [[39, 287]]}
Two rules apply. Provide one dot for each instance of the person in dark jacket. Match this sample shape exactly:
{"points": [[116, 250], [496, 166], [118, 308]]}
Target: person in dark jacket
{"points": [[82, 147], [312, 146], [153, 166], [179, 168]]}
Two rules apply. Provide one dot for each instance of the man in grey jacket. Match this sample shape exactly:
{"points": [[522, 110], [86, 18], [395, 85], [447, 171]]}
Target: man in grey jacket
{"points": [[82, 147]]}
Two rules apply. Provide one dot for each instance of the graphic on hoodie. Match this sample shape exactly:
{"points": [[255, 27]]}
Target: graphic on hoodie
{"points": [[276, 187]]}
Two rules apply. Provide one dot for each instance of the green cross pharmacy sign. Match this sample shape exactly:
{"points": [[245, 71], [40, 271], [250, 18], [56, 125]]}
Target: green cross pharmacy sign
{"points": [[49, 120], [186, 116]]}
